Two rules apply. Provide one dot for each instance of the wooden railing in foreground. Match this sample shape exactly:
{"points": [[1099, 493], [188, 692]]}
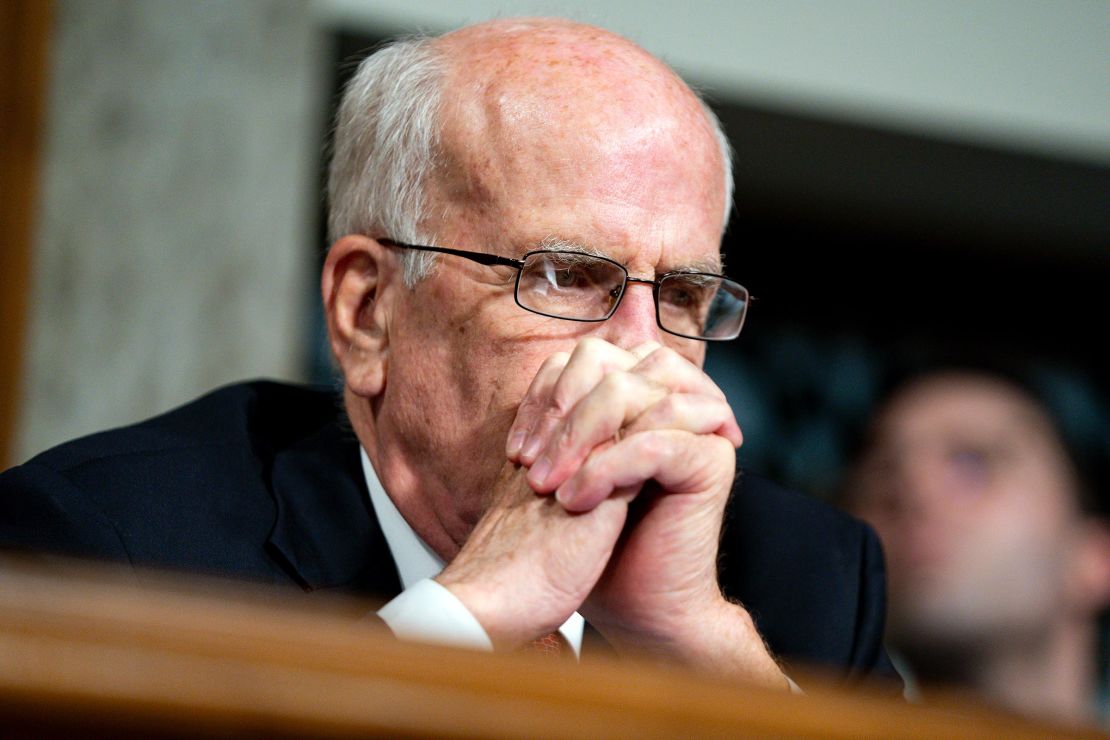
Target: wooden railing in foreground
{"points": [[85, 650]]}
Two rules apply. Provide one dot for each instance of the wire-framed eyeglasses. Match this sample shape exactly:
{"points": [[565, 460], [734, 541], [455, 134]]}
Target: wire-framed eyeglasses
{"points": [[584, 287]]}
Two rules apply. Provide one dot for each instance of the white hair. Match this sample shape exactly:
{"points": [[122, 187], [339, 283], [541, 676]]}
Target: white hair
{"points": [[384, 148], [386, 143], [726, 155]]}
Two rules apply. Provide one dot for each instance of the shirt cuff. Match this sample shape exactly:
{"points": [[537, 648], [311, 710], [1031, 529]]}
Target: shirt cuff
{"points": [[428, 612]]}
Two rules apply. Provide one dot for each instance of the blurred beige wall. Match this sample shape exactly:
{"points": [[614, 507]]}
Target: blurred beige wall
{"points": [[174, 243]]}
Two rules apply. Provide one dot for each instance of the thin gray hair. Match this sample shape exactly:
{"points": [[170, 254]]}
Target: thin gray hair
{"points": [[386, 143], [384, 149], [726, 154]]}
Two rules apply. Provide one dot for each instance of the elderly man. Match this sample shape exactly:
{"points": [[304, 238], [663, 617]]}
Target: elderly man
{"points": [[526, 218]]}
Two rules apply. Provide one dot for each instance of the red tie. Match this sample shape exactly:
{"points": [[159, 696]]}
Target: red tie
{"points": [[551, 645]]}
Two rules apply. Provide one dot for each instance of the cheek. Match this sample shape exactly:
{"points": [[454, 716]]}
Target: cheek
{"points": [[1032, 502], [1015, 541], [479, 368]]}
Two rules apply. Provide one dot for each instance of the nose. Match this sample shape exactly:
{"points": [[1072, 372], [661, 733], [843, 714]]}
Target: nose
{"points": [[633, 323]]}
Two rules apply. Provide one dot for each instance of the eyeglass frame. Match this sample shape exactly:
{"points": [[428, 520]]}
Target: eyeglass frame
{"points": [[485, 258]]}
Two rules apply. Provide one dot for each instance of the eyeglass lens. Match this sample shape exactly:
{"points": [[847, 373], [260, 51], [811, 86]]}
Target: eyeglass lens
{"points": [[579, 286], [570, 285]]}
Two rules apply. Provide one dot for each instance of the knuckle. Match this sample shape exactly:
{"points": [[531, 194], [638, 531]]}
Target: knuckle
{"points": [[615, 383], [599, 353], [531, 400], [651, 444], [562, 402], [569, 437], [671, 406], [668, 358], [529, 404], [553, 413], [556, 360], [663, 360], [590, 346]]}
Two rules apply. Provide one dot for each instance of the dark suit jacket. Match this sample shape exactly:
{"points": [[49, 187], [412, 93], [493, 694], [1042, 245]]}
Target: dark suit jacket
{"points": [[262, 481]]}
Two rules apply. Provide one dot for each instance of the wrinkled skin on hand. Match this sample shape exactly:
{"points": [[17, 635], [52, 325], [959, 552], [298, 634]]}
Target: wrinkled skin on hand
{"points": [[529, 563], [599, 429]]}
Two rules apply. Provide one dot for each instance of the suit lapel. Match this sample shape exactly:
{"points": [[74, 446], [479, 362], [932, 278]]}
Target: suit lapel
{"points": [[325, 534]]}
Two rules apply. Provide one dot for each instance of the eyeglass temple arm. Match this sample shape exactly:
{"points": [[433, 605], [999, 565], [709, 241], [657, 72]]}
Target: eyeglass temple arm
{"points": [[479, 257]]}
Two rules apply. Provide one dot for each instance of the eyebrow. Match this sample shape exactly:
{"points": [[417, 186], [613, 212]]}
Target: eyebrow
{"points": [[551, 242], [556, 243]]}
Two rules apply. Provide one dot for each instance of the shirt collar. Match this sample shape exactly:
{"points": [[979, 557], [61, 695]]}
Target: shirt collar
{"points": [[415, 560]]}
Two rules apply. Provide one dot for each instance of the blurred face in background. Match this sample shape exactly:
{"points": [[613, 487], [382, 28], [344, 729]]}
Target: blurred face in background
{"points": [[974, 499]]}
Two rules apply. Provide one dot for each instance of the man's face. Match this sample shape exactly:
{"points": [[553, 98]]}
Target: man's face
{"points": [[612, 171], [974, 502]]}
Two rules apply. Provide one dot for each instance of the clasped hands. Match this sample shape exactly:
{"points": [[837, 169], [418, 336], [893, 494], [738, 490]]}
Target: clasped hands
{"points": [[610, 502]]}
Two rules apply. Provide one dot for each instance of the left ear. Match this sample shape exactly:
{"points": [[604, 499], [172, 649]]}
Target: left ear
{"points": [[357, 287], [1091, 565]]}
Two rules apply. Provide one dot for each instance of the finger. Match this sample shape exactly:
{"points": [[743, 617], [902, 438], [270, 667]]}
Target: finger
{"points": [[690, 413], [536, 398], [666, 367], [591, 360], [646, 348], [679, 461], [618, 399], [625, 403]]}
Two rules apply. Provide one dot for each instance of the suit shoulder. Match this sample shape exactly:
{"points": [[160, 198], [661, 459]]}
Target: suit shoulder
{"points": [[809, 574], [783, 512], [261, 415], [191, 488]]}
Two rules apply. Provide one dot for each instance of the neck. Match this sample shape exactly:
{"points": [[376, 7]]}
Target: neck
{"points": [[1051, 677], [400, 482]]}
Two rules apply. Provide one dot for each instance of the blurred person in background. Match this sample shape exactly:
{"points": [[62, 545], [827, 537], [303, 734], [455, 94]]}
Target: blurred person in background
{"points": [[998, 567]]}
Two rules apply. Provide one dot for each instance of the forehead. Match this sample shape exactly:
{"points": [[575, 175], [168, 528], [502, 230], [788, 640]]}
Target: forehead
{"points": [[594, 145], [937, 418], [962, 408]]}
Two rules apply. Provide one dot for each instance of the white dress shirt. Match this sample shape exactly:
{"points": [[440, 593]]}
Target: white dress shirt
{"points": [[425, 611]]}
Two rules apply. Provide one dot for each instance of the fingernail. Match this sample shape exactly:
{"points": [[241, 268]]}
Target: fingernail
{"points": [[530, 449], [516, 441], [539, 471], [564, 494]]}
